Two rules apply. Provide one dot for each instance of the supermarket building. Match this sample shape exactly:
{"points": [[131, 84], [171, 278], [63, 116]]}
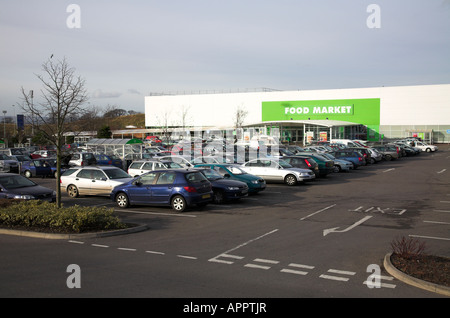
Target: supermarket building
{"points": [[378, 113]]}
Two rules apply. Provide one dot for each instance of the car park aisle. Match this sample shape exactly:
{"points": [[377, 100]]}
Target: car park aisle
{"points": [[314, 240]]}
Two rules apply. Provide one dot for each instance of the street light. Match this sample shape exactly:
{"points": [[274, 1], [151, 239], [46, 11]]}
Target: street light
{"points": [[4, 126]]}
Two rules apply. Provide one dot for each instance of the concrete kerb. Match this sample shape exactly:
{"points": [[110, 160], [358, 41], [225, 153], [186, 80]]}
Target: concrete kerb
{"points": [[444, 290], [62, 236]]}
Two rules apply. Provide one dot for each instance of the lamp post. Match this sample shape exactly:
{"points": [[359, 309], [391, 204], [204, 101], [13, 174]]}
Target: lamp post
{"points": [[4, 126]]}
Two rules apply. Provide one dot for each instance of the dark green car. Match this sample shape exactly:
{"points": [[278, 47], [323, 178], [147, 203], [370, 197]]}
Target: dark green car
{"points": [[326, 166], [255, 184]]}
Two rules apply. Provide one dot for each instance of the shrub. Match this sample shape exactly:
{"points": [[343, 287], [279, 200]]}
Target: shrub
{"points": [[407, 247], [45, 216]]}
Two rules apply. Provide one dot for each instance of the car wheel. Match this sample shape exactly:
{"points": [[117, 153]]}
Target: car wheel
{"points": [[218, 196], [72, 191], [122, 200], [428, 150], [388, 157], [337, 168], [27, 173], [290, 180], [178, 203]]}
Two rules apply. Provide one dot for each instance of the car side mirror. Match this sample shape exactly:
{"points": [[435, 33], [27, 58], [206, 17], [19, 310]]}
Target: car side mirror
{"points": [[226, 175]]}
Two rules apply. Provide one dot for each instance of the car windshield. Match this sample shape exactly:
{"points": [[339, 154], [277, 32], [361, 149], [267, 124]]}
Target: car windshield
{"points": [[236, 170], [116, 174], [211, 174], [15, 181]]}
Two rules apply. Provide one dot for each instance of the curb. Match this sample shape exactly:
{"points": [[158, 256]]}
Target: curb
{"points": [[58, 236], [444, 290]]}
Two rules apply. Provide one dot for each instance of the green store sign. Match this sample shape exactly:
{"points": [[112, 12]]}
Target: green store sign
{"points": [[361, 111]]}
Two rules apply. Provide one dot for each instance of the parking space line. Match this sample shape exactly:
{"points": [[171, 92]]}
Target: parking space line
{"points": [[217, 260], [443, 170], [436, 222], [187, 257], [328, 207], [157, 213], [430, 237], [338, 278], [99, 245], [127, 249], [154, 252], [388, 170]]}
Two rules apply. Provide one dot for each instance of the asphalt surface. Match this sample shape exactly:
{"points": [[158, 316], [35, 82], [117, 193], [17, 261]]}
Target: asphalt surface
{"points": [[325, 239]]}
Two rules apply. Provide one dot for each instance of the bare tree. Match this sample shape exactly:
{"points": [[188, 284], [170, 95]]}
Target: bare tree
{"points": [[63, 96], [239, 117]]}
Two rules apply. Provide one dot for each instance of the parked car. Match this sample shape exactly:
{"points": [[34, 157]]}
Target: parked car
{"points": [[350, 155], [233, 172], [8, 164], [424, 146], [108, 160], [36, 168], [326, 166], [375, 156], [224, 189], [365, 152], [277, 171], [92, 180], [304, 163], [210, 159], [182, 161], [339, 164], [15, 186], [82, 159], [388, 153], [139, 167], [44, 154], [180, 189]]}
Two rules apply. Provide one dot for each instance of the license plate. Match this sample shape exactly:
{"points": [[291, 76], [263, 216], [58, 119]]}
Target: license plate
{"points": [[206, 196]]}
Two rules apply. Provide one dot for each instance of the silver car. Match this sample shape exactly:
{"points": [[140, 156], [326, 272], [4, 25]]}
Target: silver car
{"points": [[92, 180], [275, 170]]}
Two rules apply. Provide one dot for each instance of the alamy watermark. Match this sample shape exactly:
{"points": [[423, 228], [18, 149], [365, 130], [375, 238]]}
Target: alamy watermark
{"points": [[374, 19], [73, 21], [74, 279]]}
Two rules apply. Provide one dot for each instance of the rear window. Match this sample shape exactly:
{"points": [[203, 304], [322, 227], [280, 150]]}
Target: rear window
{"points": [[69, 171], [195, 177]]}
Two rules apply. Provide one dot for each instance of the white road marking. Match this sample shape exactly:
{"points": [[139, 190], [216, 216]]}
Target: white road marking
{"points": [[328, 207]]}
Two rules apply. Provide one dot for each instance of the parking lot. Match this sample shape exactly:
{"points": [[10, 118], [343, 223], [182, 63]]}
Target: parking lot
{"points": [[311, 240]]}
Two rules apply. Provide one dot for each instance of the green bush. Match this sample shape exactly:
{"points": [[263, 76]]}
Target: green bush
{"points": [[45, 216]]}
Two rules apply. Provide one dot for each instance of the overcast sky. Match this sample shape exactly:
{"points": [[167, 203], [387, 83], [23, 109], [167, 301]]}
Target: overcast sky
{"points": [[127, 49]]}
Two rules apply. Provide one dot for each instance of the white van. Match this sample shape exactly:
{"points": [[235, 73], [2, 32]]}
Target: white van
{"points": [[346, 142]]}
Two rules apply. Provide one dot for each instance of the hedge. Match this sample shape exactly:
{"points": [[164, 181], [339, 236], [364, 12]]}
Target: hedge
{"points": [[45, 216]]}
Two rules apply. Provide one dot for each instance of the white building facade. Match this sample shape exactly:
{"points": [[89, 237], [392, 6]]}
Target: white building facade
{"points": [[361, 113]]}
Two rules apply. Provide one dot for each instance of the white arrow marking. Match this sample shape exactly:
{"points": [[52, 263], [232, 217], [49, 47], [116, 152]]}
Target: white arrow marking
{"points": [[327, 231]]}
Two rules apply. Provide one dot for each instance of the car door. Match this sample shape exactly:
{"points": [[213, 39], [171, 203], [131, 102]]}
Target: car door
{"points": [[83, 181], [162, 189], [141, 191], [100, 184], [42, 168], [273, 170]]}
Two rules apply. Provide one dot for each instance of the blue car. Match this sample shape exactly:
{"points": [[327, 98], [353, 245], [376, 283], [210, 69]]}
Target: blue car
{"points": [[36, 168], [353, 156], [225, 189], [40, 168], [107, 160], [15, 186], [179, 189]]}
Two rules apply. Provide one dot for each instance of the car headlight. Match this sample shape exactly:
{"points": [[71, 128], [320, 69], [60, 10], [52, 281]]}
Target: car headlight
{"points": [[23, 196], [233, 188], [255, 181]]}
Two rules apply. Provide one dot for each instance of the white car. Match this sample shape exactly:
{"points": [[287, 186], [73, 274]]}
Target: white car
{"points": [[424, 146], [139, 167], [92, 180], [177, 159], [277, 171]]}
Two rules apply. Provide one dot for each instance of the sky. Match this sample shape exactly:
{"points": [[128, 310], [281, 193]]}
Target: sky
{"points": [[126, 50]]}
